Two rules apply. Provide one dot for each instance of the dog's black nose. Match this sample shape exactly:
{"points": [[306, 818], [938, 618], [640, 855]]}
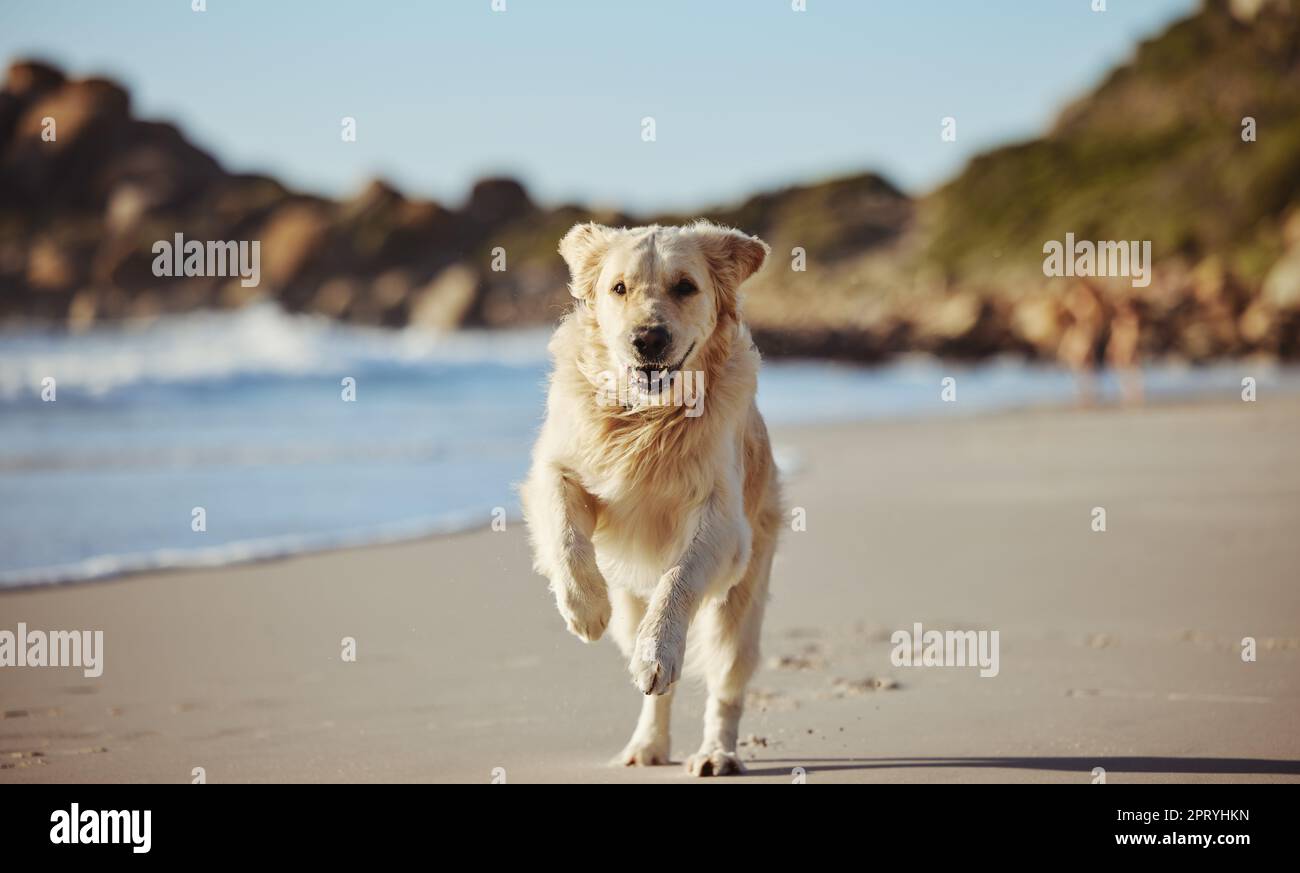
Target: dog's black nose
{"points": [[651, 342]]}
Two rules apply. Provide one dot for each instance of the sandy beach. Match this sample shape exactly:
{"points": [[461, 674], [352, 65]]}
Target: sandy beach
{"points": [[1118, 649]]}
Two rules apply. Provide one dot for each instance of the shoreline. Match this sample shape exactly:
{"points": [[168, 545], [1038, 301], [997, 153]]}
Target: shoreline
{"points": [[257, 552], [288, 546]]}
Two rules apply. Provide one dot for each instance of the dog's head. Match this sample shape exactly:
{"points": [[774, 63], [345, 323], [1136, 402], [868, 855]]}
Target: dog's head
{"points": [[657, 294]]}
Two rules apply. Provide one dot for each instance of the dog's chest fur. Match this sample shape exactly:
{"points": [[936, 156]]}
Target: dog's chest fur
{"points": [[652, 471]]}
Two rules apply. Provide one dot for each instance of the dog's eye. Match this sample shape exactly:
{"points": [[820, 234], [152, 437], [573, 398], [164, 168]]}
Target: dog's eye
{"points": [[684, 288], [620, 289]]}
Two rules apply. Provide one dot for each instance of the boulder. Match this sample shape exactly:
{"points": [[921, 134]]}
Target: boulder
{"points": [[494, 202], [447, 302], [291, 238], [1281, 286]]}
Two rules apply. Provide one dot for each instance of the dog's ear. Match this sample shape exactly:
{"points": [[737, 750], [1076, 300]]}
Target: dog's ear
{"points": [[582, 248], [733, 256]]}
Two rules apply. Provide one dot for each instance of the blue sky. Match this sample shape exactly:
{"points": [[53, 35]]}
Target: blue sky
{"points": [[746, 94]]}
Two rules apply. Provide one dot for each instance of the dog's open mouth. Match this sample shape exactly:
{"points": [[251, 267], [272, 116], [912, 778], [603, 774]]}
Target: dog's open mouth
{"points": [[651, 372]]}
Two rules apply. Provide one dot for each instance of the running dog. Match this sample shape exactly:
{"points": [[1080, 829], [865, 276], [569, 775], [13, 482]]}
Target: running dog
{"points": [[653, 517]]}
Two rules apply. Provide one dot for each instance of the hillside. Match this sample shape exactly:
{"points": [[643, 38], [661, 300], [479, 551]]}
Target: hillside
{"points": [[1154, 153]]}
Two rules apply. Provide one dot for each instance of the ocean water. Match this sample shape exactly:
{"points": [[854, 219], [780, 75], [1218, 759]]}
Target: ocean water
{"points": [[242, 414]]}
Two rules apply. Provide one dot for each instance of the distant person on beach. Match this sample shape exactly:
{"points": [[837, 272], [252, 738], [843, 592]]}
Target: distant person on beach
{"points": [[1100, 333], [1122, 350]]}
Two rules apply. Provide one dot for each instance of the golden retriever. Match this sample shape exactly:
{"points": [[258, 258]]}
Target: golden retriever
{"points": [[655, 509]]}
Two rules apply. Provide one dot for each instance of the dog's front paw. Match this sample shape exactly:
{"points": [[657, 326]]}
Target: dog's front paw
{"points": [[656, 663], [643, 753], [714, 762], [586, 616]]}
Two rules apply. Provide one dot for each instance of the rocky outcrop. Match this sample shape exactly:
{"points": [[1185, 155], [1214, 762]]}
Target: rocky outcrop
{"points": [[87, 189]]}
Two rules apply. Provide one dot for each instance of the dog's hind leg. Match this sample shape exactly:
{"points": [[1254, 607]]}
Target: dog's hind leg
{"points": [[650, 741], [728, 647]]}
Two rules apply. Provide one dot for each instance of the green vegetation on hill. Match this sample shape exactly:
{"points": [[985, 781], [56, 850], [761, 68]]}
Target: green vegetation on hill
{"points": [[1155, 153]]}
